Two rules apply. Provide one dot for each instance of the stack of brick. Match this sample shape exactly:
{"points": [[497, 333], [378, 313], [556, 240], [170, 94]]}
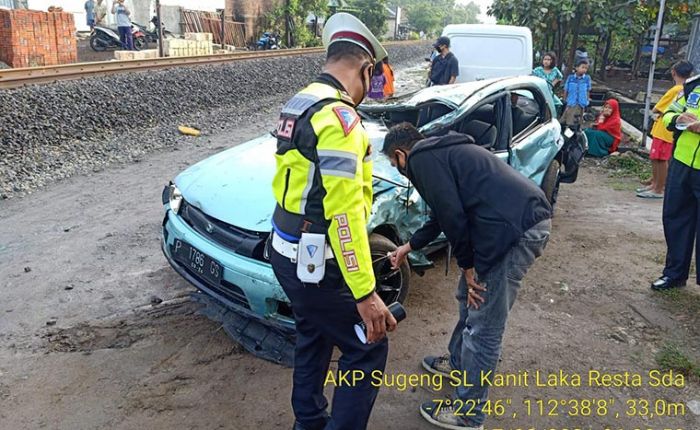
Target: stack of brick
{"points": [[193, 44], [32, 38]]}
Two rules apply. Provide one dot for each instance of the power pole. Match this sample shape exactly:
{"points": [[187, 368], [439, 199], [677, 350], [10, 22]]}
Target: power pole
{"points": [[287, 26], [223, 28], [652, 69], [159, 29]]}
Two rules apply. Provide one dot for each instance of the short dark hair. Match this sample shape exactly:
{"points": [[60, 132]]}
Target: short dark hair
{"points": [[401, 136], [342, 49], [552, 55], [581, 61], [683, 69]]}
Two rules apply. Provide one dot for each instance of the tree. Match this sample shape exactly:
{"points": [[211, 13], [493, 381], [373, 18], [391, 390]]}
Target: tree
{"points": [[295, 12], [425, 17], [372, 13], [431, 16], [618, 24], [465, 14]]}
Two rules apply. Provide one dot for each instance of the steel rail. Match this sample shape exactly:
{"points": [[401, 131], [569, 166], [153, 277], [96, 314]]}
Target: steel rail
{"points": [[13, 78]]}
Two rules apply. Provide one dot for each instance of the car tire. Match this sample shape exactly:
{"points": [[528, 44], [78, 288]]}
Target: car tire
{"points": [[550, 183], [392, 285]]}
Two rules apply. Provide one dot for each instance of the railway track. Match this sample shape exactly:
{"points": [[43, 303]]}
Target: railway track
{"points": [[12, 78]]}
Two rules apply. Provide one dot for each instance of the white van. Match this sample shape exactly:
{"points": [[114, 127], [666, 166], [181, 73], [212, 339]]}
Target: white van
{"points": [[490, 51]]}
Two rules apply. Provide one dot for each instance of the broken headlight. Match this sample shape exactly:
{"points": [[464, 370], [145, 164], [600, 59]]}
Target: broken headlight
{"points": [[174, 197]]}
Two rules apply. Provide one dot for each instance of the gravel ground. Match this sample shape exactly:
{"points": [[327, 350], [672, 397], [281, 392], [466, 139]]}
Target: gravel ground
{"points": [[52, 132]]}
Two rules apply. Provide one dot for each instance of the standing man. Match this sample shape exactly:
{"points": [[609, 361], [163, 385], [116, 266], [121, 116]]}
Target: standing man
{"points": [[121, 14], [444, 67], [323, 188], [101, 13], [681, 214], [90, 13], [496, 230]]}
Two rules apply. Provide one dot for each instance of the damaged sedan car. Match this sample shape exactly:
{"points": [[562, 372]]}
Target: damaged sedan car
{"points": [[218, 212]]}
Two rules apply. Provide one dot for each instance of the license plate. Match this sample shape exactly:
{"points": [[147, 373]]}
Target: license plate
{"points": [[198, 262]]}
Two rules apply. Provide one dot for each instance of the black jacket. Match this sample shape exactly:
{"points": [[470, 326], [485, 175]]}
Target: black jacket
{"points": [[483, 205], [443, 69]]}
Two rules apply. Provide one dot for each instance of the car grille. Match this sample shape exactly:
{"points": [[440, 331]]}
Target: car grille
{"points": [[247, 243]]}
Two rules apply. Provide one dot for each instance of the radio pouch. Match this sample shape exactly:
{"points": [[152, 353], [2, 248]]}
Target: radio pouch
{"points": [[311, 258]]}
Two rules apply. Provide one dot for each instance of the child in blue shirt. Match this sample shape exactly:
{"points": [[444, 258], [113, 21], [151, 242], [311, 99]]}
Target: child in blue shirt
{"points": [[577, 93]]}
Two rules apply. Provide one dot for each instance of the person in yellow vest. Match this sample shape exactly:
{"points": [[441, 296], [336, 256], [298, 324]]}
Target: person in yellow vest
{"points": [[662, 143], [320, 246], [681, 212]]}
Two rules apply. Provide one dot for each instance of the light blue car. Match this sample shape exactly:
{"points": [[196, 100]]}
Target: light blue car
{"points": [[218, 212]]}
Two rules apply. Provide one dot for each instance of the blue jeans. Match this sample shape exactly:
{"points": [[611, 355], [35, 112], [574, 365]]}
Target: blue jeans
{"points": [[476, 340], [126, 38]]}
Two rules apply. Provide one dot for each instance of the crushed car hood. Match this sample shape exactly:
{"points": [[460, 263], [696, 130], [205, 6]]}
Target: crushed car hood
{"points": [[235, 186]]}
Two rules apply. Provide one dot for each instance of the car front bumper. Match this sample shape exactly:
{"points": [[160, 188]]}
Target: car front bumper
{"points": [[247, 286]]}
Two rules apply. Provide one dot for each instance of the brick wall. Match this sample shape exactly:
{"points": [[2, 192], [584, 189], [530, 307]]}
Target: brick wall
{"points": [[30, 38]]}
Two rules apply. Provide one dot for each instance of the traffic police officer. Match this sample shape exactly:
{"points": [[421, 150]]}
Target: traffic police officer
{"points": [[320, 247], [681, 213]]}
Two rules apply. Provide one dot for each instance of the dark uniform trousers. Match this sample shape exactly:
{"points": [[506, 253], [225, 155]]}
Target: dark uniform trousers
{"points": [[681, 217], [325, 315]]}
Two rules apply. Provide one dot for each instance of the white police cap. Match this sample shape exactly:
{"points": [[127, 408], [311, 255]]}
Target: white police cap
{"points": [[343, 27]]}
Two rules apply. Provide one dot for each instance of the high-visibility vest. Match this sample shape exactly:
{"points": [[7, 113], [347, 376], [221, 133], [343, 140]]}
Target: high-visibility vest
{"points": [[323, 181], [687, 143]]}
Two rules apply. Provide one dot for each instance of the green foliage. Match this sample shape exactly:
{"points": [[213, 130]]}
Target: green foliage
{"points": [[672, 357], [372, 13], [431, 16], [629, 165], [298, 11], [627, 21]]}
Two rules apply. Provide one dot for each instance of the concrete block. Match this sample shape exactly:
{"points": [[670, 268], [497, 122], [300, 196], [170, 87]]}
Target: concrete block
{"points": [[199, 37], [136, 55]]}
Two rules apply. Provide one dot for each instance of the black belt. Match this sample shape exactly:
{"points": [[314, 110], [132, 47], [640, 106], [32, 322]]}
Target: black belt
{"points": [[295, 224]]}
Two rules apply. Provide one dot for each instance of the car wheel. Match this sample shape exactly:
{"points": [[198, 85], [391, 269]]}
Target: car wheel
{"points": [[392, 285], [550, 184]]}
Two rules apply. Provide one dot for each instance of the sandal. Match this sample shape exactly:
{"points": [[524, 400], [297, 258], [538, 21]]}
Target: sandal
{"points": [[650, 195]]}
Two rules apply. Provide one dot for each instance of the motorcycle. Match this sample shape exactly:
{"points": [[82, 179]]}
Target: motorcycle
{"points": [[104, 38], [268, 41], [575, 147], [152, 35]]}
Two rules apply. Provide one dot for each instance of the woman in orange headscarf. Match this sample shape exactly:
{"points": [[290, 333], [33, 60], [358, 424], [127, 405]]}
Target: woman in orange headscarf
{"points": [[389, 78], [605, 137]]}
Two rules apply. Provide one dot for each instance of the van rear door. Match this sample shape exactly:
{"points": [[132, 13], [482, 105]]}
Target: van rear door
{"points": [[490, 51]]}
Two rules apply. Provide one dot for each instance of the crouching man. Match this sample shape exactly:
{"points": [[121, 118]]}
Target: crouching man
{"points": [[498, 222]]}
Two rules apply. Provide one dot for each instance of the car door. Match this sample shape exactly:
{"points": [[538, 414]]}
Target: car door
{"points": [[536, 134]]}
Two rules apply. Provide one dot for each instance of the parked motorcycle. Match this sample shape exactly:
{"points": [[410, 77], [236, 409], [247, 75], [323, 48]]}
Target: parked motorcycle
{"points": [[104, 38], [269, 40], [152, 35], [575, 147]]}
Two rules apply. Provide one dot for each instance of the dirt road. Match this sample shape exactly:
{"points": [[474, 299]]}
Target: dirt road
{"points": [[82, 347]]}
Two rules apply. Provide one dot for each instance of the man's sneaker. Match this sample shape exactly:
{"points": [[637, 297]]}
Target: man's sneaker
{"points": [[440, 366], [444, 416]]}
